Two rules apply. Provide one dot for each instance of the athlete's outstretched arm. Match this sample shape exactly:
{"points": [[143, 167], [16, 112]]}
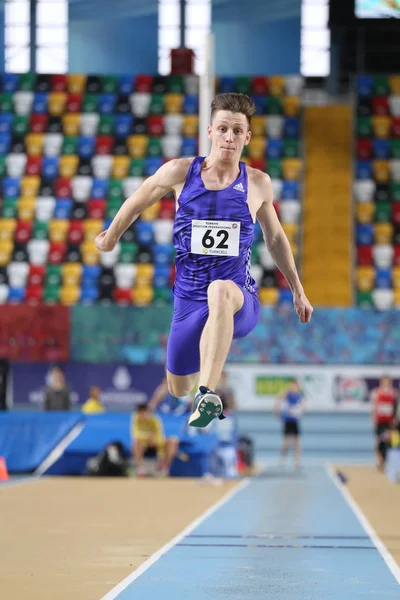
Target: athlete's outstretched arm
{"points": [[152, 189], [279, 247]]}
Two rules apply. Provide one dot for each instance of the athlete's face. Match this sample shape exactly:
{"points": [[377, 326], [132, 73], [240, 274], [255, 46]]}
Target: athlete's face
{"points": [[229, 134]]}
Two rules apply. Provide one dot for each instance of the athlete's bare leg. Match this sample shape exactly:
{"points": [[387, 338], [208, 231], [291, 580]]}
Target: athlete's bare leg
{"points": [[225, 299], [284, 449], [181, 385], [296, 450]]}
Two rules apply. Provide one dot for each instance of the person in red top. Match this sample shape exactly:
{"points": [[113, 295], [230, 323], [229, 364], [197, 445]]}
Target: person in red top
{"points": [[384, 406]]}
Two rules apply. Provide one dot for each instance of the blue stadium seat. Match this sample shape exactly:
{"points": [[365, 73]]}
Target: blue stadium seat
{"points": [[364, 169], [381, 149], [39, 105], [365, 85], [86, 146], [189, 146], [227, 85], [285, 297], [383, 278], [274, 148], [261, 104], [291, 128], [16, 294], [5, 140], [152, 164], [161, 276], [144, 232], [125, 85], [123, 125], [364, 234], [6, 120], [11, 187], [291, 190], [191, 105], [106, 104], [90, 274], [10, 82], [99, 188], [107, 223], [63, 208], [258, 235], [162, 254], [50, 167], [89, 293]]}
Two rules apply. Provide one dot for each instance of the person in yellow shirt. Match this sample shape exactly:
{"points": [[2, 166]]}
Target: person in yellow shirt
{"points": [[93, 405], [147, 433]]}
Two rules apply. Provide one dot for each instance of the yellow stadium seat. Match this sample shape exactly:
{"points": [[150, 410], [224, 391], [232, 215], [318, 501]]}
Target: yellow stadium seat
{"points": [[246, 160], [69, 294], [137, 145], [294, 247], [291, 168], [257, 147], [68, 166], [57, 102], [381, 169], [92, 228], [26, 208], [58, 230], [394, 82], [276, 85], [76, 83], [258, 124], [142, 295], [71, 124], [365, 278], [6, 248], [190, 126], [173, 103], [381, 126], [30, 186], [151, 213], [396, 277], [90, 254], [144, 274], [7, 229], [268, 295], [71, 273], [34, 144], [291, 230], [365, 212], [120, 167], [383, 233], [291, 106], [396, 300]]}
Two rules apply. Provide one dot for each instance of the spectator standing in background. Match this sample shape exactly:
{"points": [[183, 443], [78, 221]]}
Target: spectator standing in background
{"points": [[93, 405], [57, 395], [290, 408], [383, 410]]}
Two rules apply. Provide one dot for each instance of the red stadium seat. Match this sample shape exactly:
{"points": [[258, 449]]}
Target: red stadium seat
{"points": [[396, 213], [104, 144], [59, 83], [155, 125], [364, 148], [258, 163], [38, 123], [76, 233], [23, 232], [380, 105], [364, 256], [34, 294], [96, 208], [396, 127], [259, 86], [396, 256], [33, 165], [122, 296], [36, 275], [167, 208], [282, 283], [172, 275], [57, 252], [74, 103], [143, 84], [63, 188]]}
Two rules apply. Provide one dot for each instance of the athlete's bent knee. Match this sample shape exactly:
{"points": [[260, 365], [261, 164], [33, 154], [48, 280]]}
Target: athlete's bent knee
{"points": [[179, 388], [220, 292]]}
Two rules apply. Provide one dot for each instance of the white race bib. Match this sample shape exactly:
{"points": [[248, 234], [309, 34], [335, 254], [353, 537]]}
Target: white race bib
{"points": [[215, 238]]}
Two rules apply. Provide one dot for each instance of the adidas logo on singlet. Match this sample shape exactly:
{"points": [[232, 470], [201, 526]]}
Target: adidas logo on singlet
{"points": [[239, 187]]}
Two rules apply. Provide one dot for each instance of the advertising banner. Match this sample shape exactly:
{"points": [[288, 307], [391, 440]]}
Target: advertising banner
{"points": [[122, 386]]}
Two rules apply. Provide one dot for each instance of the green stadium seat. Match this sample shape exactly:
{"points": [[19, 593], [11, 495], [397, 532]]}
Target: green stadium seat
{"points": [[89, 103], [383, 212], [53, 276], [27, 82], [6, 102], [274, 168], [110, 84], [395, 191], [113, 206], [70, 145], [291, 148], [157, 104], [106, 125], [364, 299], [274, 105], [395, 145], [51, 294], [154, 147], [381, 85], [243, 85], [9, 208], [115, 190], [175, 84], [128, 252], [137, 167], [40, 230], [20, 125], [2, 165]]}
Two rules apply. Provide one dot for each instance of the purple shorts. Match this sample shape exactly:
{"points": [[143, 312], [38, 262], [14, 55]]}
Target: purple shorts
{"points": [[190, 316]]}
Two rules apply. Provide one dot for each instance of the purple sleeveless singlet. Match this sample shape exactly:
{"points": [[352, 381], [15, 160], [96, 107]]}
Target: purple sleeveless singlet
{"points": [[213, 235]]}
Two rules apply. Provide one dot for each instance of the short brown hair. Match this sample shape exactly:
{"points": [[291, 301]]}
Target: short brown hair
{"points": [[236, 103]]}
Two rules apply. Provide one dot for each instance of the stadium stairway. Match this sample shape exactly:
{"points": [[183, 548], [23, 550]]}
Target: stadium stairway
{"points": [[327, 248]]}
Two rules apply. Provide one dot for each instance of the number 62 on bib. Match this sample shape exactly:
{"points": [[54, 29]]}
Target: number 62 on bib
{"points": [[215, 238]]}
